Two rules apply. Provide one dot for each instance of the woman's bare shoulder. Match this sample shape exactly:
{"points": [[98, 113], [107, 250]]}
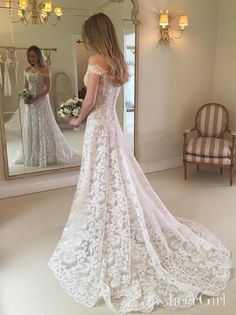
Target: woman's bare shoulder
{"points": [[27, 69], [98, 60]]}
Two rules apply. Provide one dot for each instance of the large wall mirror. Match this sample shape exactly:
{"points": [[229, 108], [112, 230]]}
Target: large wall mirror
{"points": [[65, 56]]}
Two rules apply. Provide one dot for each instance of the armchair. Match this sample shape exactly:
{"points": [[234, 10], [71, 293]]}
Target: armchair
{"points": [[209, 147]]}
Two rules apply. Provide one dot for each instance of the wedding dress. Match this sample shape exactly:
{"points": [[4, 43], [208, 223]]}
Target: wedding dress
{"points": [[43, 141], [12, 126], [120, 243]]}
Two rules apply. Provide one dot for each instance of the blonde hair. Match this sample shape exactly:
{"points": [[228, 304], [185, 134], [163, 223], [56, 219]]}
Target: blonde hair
{"points": [[99, 33]]}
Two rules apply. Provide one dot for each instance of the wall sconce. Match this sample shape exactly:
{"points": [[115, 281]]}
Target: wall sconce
{"points": [[167, 32]]}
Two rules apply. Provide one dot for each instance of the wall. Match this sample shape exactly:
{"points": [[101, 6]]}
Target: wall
{"points": [[48, 36], [173, 83], [225, 70]]}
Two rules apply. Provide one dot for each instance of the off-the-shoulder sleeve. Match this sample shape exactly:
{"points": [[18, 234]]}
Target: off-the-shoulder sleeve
{"points": [[96, 69]]}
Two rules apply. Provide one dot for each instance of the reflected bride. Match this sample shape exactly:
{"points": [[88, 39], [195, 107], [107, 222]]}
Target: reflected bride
{"points": [[43, 141]]}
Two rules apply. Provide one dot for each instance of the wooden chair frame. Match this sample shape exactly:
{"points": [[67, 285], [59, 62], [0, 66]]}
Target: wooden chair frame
{"points": [[226, 130]]}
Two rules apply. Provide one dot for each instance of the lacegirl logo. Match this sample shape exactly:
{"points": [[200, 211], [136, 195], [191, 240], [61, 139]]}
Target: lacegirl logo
{"points": [[202, 299]]}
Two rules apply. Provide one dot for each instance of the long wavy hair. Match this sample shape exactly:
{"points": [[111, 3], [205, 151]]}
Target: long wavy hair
{"points": [[38, 53], [99, 33]]}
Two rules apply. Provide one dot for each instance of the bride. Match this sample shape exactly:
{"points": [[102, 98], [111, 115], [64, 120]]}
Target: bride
{"points": [[43, 141], [120, 243]]}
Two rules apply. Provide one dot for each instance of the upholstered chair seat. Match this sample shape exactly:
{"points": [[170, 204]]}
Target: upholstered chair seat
{"points": [[209, 146]]}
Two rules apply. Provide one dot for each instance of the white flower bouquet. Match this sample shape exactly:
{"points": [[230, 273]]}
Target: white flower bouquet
{"points": [[26, 94], [71, 108]]}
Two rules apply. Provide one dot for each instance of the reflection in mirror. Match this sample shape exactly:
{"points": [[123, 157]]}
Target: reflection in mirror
{"points": [[129, 88], [43, 142], [8, 81], [62, 91], [36, 138]]}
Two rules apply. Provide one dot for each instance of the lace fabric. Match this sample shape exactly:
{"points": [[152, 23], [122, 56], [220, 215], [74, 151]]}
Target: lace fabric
{"points": [[43, 141], [120, 243]]}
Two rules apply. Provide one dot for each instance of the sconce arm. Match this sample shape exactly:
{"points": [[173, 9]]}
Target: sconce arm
{"points": [[178, 36]]}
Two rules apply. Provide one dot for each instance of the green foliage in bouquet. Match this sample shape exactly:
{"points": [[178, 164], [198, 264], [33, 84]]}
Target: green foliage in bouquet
{"points": [[71, 108], [26, 94]]}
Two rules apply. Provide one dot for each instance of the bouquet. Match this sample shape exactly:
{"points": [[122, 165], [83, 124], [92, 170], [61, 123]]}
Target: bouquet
{"points": [[71, 108], [26, 94]]}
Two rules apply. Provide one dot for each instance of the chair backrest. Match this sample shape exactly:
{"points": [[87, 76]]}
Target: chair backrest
{"points": [[212, 120]]}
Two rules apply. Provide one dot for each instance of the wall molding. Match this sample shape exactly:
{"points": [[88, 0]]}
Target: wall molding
{"points": [[151, 167]]}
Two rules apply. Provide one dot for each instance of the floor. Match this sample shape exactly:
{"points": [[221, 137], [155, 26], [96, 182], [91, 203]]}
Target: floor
{"points": [[31, 225]]}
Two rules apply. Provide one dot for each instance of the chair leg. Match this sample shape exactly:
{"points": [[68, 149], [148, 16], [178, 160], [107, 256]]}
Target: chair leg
{"points": [[198, 168], [221, 170], [231, 176], [185, 170]]}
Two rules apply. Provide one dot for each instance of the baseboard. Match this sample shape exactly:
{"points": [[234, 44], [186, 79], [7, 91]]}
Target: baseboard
{"points": [[34, 184], [151, 167]]}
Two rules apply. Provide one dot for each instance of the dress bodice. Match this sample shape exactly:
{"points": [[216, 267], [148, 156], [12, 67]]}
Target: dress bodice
{"points": [[36, 81], [107, 92]]}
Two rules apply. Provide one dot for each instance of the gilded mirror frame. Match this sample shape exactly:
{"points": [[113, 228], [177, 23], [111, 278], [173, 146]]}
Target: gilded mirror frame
{"points": [[136, 22]]}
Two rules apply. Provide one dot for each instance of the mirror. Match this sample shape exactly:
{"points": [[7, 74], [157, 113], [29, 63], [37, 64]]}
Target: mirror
{"points": [[35, 138]]}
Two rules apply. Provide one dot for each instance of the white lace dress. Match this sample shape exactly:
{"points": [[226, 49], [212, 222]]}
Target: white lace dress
{"points": [[43, 141], [120, 243]]}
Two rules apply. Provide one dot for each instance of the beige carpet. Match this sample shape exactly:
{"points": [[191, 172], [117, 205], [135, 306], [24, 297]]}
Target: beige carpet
{"points": [[31, 225]]}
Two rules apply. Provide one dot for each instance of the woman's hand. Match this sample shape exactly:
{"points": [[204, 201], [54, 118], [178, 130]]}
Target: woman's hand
{"points": [[28, 101], [31, 100], [74, 121]]}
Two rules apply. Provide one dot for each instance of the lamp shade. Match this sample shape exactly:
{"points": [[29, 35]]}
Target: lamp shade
{"points": [[23, 4], [164, 20], [58, 11], [44, 13], [48, 6], [183, 22], [20, 13]]}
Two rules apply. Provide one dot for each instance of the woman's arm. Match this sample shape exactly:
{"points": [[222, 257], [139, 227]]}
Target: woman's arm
{"points": [[26, 83], [89, 100]]}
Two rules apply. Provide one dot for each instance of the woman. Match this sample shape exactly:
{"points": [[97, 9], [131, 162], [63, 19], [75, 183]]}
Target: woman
{"points": [[43, 141], [120, 242]]}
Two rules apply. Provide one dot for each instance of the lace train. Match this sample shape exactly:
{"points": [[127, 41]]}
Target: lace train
{"points": [[120, 242]]}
